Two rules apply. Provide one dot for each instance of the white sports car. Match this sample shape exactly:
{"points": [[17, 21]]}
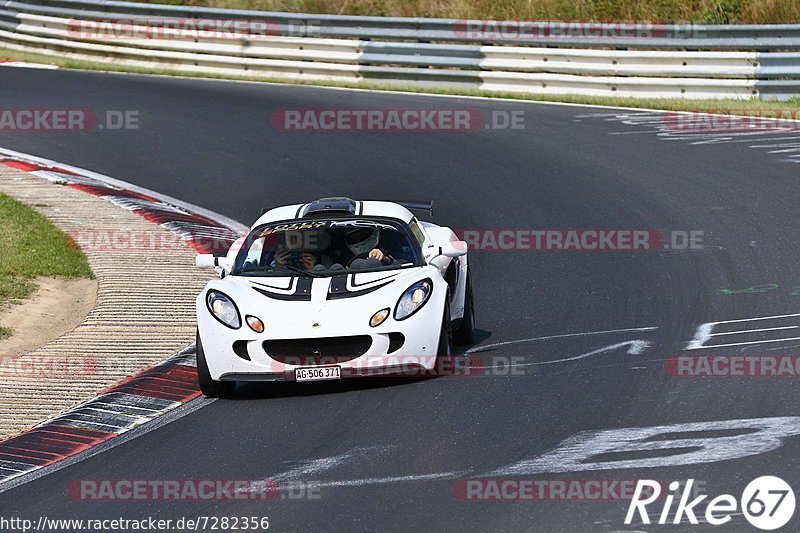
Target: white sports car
{"points": [[331, 289]]}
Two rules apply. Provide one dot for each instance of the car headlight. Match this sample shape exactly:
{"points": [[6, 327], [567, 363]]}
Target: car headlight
{"points": [[413, 299], [223, 309]]}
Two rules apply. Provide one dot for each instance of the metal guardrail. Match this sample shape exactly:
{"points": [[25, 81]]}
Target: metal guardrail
{"points": [[542, 33], [533, 57]]}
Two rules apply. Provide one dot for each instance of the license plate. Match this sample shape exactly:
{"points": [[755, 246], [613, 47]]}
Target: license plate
{"points": [[317, 373]]}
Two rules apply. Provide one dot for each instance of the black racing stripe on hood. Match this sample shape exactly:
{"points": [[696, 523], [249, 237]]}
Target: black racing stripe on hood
{"points": [[302, 291], [354, 284], [338, 288], [264, 285]]}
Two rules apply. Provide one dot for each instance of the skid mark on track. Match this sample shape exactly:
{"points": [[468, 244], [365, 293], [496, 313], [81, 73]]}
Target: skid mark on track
{"points": [[310, 467], [761, 133], [487, 347], [307, 469], [438, 476], [365, 482], [634, 347]]}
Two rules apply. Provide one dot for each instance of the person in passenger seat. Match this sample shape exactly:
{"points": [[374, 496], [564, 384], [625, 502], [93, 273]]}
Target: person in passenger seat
{"points": [[293, 253]]}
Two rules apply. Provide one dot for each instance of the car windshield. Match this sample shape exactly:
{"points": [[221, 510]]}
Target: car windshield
{"points": [[327, 247]]}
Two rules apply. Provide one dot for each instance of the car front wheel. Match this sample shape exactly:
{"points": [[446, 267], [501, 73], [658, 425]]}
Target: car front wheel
{"points": [[444, 352], [210, 387]]}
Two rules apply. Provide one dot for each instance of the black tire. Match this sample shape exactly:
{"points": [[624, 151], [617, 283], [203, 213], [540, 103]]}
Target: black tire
{"points": [[465, 332], [444, 351], [210, 387]]}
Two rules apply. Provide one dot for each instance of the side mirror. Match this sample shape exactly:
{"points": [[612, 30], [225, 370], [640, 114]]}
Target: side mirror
{"points": [[454, 249], [205, 261]]}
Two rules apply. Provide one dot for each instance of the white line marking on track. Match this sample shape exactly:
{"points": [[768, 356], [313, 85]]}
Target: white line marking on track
{"points": [[658, 446], [635, 347], [766, 130], [703, 333], [752, 331], [310, 467], [363, 482], [748, 343], [392, 479], [478, 349]]}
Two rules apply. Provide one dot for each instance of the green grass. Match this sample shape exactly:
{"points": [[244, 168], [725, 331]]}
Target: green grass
{"points": [[14, 289], [723, 106], [699, 11], [31, 247]]}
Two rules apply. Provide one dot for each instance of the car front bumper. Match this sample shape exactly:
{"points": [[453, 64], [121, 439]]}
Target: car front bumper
{"points": [[241, 355]]}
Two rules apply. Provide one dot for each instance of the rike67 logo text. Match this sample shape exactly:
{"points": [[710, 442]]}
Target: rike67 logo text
{"points": [[767, 503]]}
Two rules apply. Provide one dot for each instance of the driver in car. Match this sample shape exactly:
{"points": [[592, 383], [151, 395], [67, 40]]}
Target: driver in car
{"points": [[363, 244]]}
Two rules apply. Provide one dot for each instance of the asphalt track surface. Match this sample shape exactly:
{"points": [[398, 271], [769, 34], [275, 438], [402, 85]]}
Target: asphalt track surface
{"points": [[387, 453]]}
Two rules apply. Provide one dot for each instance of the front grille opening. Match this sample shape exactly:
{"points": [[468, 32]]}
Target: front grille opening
{"points": [[396, 341], [240, 349], [318, 351]]}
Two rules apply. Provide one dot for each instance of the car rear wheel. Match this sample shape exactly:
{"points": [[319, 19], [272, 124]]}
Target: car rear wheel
{"points": [[465, 332], [210, 387]]}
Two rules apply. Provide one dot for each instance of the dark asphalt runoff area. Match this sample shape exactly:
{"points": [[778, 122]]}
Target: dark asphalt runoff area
{"points": [[394, 455]]}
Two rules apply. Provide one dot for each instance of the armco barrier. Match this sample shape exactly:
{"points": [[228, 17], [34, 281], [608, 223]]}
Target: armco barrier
{"points": [[660, 61]]}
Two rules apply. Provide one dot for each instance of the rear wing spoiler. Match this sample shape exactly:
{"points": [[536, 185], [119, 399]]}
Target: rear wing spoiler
{"points": [[411, 206], [419, 206]]}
